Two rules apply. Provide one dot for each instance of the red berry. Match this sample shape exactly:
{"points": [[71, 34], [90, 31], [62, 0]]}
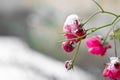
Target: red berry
{"points": [[68, 46]]}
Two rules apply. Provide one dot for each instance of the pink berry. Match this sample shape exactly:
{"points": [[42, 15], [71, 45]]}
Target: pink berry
{"points": [[112, 70], [93, 41], [72, 26], [99, 50], [68, 46], [95, 46], [71, 23], [73, 32]]}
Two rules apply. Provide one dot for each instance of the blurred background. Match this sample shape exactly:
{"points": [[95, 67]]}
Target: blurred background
{"points": [[38, 24]]}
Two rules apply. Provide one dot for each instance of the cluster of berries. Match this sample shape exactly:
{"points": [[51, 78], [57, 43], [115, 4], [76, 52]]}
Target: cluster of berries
{"points": [[112, 69], [74, 33]]}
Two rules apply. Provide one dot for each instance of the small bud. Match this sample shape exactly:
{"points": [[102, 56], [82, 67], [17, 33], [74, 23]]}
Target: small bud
{"points": [[68, 65]]}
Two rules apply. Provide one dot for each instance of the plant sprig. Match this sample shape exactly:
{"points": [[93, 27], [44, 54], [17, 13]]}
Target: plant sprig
{"points": [[117, 16], [94, 29]]}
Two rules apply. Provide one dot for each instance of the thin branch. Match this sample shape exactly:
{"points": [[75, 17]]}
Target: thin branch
{"points": [[98, 5], [109, 24], [110, 13], [107, 35], [76, 54], [92, 17], [115, 43], [103, 11]]}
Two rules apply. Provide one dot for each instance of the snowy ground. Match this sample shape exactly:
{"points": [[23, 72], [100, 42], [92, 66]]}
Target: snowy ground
{"points": [[19, 62]]}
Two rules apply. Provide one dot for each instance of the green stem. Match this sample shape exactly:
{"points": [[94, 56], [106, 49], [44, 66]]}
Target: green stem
{"points": [[107, 36], [117, 21], [114, 38], [69, 39], [98, 13], [90, 29], [74, 57], [98, 5], [76, 54], [80, 37], [91, 17], [110, 13], [106, 25], [103, 11], [115, 43], [118, 15]]}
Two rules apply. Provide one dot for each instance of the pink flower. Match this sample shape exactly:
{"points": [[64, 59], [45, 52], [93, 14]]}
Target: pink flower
{"points": [[112, 69], [95, 45], [68, 46]]}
